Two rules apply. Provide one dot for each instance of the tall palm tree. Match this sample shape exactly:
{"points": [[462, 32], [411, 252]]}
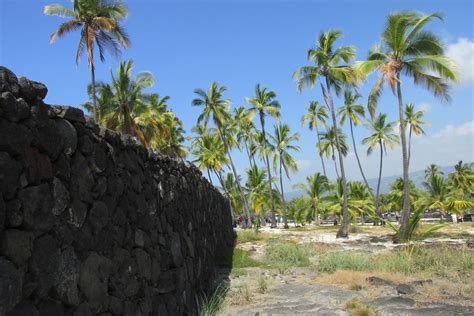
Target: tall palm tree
{"points": [[329, 144], [257, 189], [316, 187], [316, 115], [463, 177], [335, 199], [210, 155], [245, 130], [396, 194], [217, 108], [382, 136], [331, 76], [264, 103], [355, 113], [415, 123], [432, 171], [407, 49], [99, 22], [283, 141]]}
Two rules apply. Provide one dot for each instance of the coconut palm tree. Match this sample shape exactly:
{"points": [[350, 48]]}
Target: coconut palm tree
{"points": [[410, 50], [316, 115], [396, 194], [360, 192], [415, 123], [463, 177], [335, 199], [245, 131], [210, 155], [331, 75], [440, 196], [283, 141], [355, 113], [329, 144], [316, 187], [432, 171], [256, 189], [216, 107], [264, 103], [99, 22], [382, 135]]}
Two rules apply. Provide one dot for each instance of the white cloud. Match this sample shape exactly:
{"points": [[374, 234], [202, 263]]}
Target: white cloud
{"points": [[305, 164], [425, 107], [462, 54]]}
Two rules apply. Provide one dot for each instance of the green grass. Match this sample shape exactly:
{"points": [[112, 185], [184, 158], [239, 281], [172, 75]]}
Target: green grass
{"points": [[249, 235], [241, 259], [284, 255], [443, 261], [346, 260], [210, 305]]}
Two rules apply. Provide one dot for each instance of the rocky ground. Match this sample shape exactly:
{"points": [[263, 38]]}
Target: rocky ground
{"points": [[305, 291]]}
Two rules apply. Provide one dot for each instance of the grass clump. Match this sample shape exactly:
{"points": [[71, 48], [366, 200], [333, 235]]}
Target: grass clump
{"points": [[284, 255], [241, 259], [262, 284], [210, 305], [358, 309], [240, 295], [248, 235], [346, 260]]}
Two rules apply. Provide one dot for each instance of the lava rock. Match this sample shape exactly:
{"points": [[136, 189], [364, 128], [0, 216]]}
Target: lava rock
{"points": [[36, 205], [11, 281], [405, 289], [13, 109], [38, 166], [60, 196], [10, 171], [45, 264], [67, 277], [9, 82], [14, 137], [68, 135], [32, 90], [16, 245], [93, 281], [68, 113]]}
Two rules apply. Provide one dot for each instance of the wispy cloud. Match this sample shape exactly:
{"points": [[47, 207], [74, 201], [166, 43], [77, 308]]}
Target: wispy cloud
{"points": [[462, 54]]}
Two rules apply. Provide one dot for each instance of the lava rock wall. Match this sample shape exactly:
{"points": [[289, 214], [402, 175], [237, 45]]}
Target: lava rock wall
{"points": [[91, 222]]}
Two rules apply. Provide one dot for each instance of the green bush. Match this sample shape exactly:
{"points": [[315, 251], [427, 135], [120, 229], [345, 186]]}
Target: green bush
{"points": [[241, 259], [346, 260], [284, 255]]}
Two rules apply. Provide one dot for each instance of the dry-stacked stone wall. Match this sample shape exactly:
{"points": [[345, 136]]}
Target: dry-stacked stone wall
{"points": [[91, 222]]}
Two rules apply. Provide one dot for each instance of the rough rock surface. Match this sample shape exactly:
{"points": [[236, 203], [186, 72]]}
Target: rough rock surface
{"points": [[93, 223]]}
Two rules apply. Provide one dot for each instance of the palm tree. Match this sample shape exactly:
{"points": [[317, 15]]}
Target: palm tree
{"points": [[329, 144], [328, 69], [315, 188], [407, 48], [283, 140], [355, 113], [361, 193], [415, 122], [245, 130], [210, 155], [396, 194], [316, 115], [382, 136], [441, 196], [257, 189], [264, 104], [463, 177], [215, 106], [432, 171], [335, 199], [99, 21]]}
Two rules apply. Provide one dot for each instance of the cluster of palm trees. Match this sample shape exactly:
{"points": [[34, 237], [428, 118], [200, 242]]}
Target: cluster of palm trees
{"points": [[406, 50]]}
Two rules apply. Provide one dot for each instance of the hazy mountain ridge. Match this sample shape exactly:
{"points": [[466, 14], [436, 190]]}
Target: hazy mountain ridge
{"points": [[416, 176]]}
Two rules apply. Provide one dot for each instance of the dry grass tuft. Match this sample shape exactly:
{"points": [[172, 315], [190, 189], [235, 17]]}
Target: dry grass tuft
{"points": [[348, 278]]}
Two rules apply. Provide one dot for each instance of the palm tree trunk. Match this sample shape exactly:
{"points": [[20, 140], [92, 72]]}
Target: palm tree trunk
{"points": [[127, 129], [406, 187], [94, 97], [377, 205], [319, 152], [344, 229], [285, 223], [358, 162], [209, 176], [234, 171], [221, 180], [262, 122], [335, 164], [409, 145], [248, 154]]}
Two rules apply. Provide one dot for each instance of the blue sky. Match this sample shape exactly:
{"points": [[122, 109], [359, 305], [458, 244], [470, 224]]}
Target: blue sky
{"points": [[189, 44]]}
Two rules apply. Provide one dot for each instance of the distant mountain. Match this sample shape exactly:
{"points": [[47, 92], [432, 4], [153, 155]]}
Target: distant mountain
{"points": [[416, 176]]}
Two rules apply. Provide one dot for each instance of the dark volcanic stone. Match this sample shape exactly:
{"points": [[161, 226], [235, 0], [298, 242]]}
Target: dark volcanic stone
{"points": [[405, 289], [32, 90], [9, 175], [9, 81], [45, 263], [36, 205], [14, 137], [11, 281], [13, 214], [60, 196], [68, 113], [38, 166], [3, 211], [77, 213], [68, 277], [25, 308], [50, 139], [379, 281], [68, 136], [13, 109], [93, 281], [98, 215], [16, 245]]}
